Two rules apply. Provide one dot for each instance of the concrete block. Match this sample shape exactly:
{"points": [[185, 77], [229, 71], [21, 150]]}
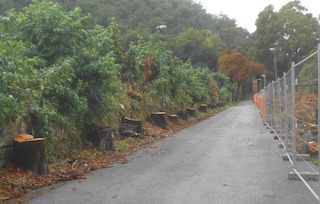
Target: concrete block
{"points": [[308, 176], [300, 157], [280, 145]]}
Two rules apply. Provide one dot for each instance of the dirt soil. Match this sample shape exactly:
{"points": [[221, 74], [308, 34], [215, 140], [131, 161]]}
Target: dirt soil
{"points": [[18, 185]]}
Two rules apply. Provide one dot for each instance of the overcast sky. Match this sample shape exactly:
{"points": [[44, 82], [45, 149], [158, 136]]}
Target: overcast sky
{"points": [[245, 12]]}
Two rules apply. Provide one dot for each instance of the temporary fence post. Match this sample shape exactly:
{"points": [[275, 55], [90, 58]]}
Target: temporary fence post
{"points": [[267, 104], [265, 96], [273, 105], [285, 110], [271, 102], [293, 113], [318, 110], [279, 107]]}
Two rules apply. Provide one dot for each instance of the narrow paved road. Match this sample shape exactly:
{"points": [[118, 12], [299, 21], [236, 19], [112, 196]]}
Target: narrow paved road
{"points": [[228, 158]]}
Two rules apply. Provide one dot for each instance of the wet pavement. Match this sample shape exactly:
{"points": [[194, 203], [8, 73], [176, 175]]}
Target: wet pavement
{"points": [[228, 158]]}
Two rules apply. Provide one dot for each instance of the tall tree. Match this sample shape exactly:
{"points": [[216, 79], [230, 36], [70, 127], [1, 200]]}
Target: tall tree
{"points": [[200, 46], [233, 64], [234, 37], [238, 68], [292, 33]]}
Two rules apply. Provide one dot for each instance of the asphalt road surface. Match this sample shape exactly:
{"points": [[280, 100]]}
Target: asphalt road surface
{"points": [[228, 158]]}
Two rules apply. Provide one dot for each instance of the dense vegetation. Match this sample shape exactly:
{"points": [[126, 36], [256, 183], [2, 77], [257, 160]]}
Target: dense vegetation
{"points": [[292, 32], [59, 76], [191, 33], [66, 65]]}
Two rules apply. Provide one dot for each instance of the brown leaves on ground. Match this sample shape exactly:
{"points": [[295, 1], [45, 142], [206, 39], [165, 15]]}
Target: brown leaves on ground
{"points": [[15, 182]]}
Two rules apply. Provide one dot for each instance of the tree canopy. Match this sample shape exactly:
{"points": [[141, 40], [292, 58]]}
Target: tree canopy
{"points": [[200, 46], [136, 17], [238, 68], [292, 33]]}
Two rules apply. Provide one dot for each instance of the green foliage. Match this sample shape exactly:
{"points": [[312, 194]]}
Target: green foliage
{"points": [[122, 145], [49, 31], [59, 76], [292, 31], [200, 46], [141, 65], [137, 17], [8, 106], [308, 77], [232, 36], [96, 81], [103, 40], [40, 121], [52, 75]]}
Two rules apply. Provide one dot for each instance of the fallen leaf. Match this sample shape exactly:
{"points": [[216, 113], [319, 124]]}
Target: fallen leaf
{"points": [[124, 161]]}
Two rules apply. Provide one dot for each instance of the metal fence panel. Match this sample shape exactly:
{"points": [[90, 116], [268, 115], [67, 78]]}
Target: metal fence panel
{"points": [[291, 108]]}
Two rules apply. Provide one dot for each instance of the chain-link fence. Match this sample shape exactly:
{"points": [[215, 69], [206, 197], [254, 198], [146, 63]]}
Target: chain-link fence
{"points": [[290, 108]]}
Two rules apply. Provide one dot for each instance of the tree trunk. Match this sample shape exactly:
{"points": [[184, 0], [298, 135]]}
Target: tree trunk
{"points": [[130, 128], [203, 108], [174, 118], [183, 115], [102, 137], [191, 112], [136, 122], [30, 153], [159, 119], [238, 89]]}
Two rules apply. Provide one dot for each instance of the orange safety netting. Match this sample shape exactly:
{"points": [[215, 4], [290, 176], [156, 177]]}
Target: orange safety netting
{"points": [[259, 101]]}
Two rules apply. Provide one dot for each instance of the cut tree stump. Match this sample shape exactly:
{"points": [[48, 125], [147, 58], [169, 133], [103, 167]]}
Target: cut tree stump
{"points": [[136, 122], [191, 112], [127, 130], [213, 106], [183, 115], [203, 108], [174, 118], [219, 105], [30, 153], [159, 119], [130, 128], [308, 145], [102, 137]]}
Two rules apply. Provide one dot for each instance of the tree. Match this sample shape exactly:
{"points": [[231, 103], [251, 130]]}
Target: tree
{"points": [[232, 36], [200, 46], [300, 32], [136, 17], [255, 69], [292, 32], [58, 77], [50, 32], [238, 68], [233, 64]]}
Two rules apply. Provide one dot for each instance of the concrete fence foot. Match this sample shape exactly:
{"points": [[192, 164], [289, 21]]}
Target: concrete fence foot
{"points": [[305, 175], [300, 157]]}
